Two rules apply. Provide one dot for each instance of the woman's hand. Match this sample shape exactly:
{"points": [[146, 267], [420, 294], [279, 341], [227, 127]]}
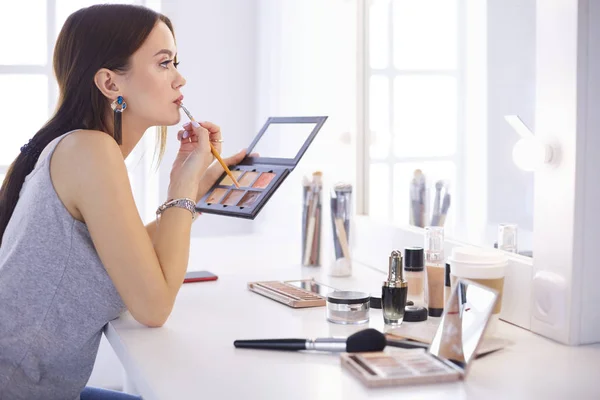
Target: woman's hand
{"points": [[215, 171], [192, 161]]}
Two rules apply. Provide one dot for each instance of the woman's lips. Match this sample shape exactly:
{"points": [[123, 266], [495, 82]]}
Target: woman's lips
{"points": [[179, 99]]}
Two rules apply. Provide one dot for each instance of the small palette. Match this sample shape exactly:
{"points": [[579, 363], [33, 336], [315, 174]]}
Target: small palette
{"points": [[399, 367], [297, 294], [280, 145]]}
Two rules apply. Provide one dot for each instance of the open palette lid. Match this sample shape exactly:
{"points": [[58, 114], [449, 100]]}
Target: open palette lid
{"points": [[465, 319], [283, 140]]}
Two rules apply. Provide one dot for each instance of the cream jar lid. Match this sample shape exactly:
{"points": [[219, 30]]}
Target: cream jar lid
{"points": [[348, 297]]}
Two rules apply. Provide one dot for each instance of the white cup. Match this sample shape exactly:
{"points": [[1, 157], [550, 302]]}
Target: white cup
{"points": [[486, 267]]}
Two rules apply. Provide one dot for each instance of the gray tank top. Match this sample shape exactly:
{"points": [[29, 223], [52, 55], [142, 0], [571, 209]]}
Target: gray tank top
{"points": [[55, 295]]}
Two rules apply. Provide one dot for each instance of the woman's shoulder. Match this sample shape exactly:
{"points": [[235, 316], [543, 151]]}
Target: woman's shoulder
{"points": [[87, 144], [82, 161], [87, 149], [89, 137]]}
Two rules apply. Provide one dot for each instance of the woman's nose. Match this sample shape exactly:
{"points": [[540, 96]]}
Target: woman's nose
{"points": [[179, 82]]}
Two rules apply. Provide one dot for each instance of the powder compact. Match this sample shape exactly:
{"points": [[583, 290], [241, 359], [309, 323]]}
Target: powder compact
{"points": [[347, 307], [279, 146], [450, 354]]}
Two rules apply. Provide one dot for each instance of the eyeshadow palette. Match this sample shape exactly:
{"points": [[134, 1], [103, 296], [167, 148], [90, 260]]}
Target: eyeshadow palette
{"points": [[279, 146], [297, 294], [399, 367]]}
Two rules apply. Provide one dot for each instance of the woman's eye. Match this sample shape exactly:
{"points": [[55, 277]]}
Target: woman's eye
{"points": [[165, 64]]}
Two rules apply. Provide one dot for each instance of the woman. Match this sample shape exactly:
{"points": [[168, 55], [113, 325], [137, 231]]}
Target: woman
{"points": [[74, 253]]}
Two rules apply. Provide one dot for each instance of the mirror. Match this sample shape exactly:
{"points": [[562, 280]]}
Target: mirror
{"points": [[463, 323], [441, 76], [283, 139]]}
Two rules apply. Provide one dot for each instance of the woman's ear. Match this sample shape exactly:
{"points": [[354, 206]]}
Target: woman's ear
{"points": [[105, 81]]}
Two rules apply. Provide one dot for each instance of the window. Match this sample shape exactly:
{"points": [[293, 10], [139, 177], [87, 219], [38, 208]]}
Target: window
{"points": [[411, 111], [27, 80]]}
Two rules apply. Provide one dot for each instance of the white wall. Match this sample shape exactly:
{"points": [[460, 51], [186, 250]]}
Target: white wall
{"points": [[216, 42], [589, 217]]}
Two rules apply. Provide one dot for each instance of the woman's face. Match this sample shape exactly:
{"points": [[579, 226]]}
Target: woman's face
{"points": [[152, 86]]}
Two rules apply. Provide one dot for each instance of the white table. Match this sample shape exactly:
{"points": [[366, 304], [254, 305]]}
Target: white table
{"points": [[192, 355]]}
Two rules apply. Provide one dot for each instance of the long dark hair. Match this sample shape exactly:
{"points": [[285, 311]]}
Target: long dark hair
{"points": [[100, 36]]}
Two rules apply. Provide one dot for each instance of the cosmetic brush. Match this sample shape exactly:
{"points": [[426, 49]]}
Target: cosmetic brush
{"points": [[435, 214], [312, 235], [306, 199], [366, 340], [213, 150], [445, 207], [339, 223], [422, 198]]}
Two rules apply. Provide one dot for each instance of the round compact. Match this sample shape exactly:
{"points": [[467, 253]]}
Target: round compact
{"points": [[347, 307]]}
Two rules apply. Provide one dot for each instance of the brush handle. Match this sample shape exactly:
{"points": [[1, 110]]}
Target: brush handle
{"points": [[220, 160], [272, 344], [406, 344], [341, 231], [215, 153]]}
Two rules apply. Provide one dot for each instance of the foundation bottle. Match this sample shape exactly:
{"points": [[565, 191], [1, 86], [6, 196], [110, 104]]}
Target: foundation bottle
{"points": [[435, 269]]}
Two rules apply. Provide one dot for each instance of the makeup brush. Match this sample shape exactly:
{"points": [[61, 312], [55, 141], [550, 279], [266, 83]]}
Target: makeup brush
{"points": [[365, 340], [311, 235], [214, 151], [445, 207], [435, 218], [339, 223]]}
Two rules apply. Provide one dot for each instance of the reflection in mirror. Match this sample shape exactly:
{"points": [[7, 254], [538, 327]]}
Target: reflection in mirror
{"points": [[283, 140], [464, 321], [440, 150]]}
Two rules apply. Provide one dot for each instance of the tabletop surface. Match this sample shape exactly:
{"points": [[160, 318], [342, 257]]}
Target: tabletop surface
{"points": [[192, 355]]}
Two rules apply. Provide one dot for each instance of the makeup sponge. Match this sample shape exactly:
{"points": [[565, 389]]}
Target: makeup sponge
{"points": [[365, 340]]}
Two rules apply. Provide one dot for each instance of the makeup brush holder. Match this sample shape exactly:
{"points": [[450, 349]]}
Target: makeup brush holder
{"points": [[341, 221], [312, 216]]}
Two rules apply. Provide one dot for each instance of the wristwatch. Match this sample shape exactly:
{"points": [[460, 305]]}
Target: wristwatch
{"points": [[186, 203]]}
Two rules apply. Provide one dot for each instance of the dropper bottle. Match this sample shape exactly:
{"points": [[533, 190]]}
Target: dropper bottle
{"points": [[394, 291]]}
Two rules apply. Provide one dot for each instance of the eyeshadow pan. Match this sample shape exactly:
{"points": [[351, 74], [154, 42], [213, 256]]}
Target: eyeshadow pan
{"points": [[227, 180], [233, 197], [263, 180], [216, 195], [249, 198], [248, 178]]}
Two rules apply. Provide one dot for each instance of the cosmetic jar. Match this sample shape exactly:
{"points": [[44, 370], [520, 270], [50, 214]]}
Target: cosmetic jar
{"points": [[415, 314], [347, 307]]}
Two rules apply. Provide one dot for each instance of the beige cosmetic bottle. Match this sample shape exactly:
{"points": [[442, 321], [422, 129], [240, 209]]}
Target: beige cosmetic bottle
{"points": [[435, 270]]}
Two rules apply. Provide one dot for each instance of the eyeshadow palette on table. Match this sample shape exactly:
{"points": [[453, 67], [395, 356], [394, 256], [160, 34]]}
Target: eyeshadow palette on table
{"points": [[280, 144], [300, 293]]}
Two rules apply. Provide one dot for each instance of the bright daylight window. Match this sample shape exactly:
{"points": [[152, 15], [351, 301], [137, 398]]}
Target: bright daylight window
{"points": [[412, 108], [27, 80]]}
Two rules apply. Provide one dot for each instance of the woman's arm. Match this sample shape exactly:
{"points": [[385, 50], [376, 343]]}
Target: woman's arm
{"points": [[147, 273]]}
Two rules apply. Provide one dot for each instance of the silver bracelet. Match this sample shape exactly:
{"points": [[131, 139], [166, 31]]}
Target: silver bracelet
{"points": [[186, 203]]}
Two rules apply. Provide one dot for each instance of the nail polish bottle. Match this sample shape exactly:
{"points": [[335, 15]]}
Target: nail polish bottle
{"points": [[394, 291]]}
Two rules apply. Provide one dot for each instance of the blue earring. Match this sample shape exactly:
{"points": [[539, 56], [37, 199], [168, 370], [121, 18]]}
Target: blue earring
{"points": [[118, 107]]}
